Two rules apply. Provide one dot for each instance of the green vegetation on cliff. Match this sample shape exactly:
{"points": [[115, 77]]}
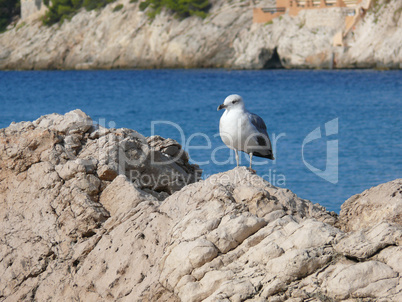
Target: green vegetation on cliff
{"points": [[181, 8], [59, 10], [8, 10]]}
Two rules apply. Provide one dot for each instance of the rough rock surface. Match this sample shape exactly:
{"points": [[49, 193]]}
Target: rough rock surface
{"points": [[380, 203], [73, 227], [226, 38], [54, 172]]}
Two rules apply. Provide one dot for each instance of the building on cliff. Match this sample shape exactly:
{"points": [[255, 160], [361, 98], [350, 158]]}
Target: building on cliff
{"points": [[32, 8], [354, 11], [293, 7]]}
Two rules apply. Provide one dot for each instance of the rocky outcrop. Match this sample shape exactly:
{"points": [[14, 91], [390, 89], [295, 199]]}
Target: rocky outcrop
{"points": [[55, 173], [226, 38], [381, 203], [76, 225]]}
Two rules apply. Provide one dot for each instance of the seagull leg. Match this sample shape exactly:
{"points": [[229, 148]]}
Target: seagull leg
{"points": [[251, 159], [237, 157]]}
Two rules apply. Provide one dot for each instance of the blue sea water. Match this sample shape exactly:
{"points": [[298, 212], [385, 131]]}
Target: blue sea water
{"points": [[337, 133]]}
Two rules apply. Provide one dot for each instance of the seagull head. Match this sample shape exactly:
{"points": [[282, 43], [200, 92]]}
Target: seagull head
{"points": [[231, 102]]}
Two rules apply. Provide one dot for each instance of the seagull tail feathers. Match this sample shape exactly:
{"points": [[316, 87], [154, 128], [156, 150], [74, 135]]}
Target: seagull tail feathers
{"points": [[269, 156]]}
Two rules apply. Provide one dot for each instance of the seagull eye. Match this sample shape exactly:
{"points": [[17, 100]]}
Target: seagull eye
{"points": [[234, 102]]}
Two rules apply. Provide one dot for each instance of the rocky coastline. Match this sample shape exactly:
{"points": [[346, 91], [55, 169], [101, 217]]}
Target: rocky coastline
{"points": [[226, 38], [89, 213]]}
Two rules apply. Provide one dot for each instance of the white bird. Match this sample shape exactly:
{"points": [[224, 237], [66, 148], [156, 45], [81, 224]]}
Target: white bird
{"points": [[242, 130]]}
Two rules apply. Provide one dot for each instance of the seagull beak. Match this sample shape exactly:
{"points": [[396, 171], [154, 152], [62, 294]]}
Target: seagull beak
{"points": [[222, 106]]}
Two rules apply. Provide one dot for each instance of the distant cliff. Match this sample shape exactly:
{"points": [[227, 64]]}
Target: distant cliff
{"points": [[226, 38]]}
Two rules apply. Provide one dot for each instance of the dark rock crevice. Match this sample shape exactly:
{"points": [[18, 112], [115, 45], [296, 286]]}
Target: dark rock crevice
{"points": [[274, 61]]}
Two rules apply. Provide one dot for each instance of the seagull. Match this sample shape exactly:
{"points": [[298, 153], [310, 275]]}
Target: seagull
{"points": [[242, 130]]}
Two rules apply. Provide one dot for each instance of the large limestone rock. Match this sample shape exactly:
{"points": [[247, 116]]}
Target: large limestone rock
{"points": [[225, 38], [378, 204], [54, 174], [75, 225]]}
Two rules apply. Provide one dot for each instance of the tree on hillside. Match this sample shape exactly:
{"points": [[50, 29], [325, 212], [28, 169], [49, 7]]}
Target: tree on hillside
{"points": [[59, 10], [181, 8], [8, 10]]}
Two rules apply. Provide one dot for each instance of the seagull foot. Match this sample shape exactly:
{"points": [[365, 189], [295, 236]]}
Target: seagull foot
{"points": [[252, 170]]}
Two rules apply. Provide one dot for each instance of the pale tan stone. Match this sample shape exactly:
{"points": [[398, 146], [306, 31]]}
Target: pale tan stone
{"points": [[373, 206], [66, 234], [354, 278], [226, 38]]}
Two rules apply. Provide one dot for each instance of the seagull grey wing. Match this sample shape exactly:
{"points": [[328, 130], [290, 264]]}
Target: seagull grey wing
{"points": [[262, 140], [258, 123]]}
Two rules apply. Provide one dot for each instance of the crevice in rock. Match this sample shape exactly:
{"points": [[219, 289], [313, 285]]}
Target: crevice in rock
{"points": [[76, 262], [40, 271], [274, 62], [354, 259], [160, 190], [88, 234], [381, 249]]}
